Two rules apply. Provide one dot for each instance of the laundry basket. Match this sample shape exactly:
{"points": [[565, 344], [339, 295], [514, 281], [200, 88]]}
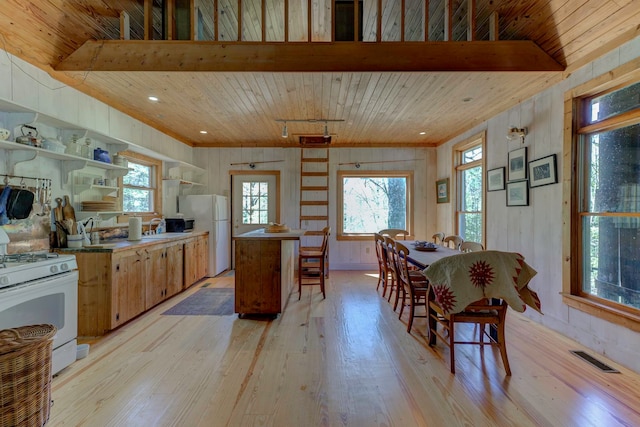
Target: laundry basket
{"points": [[25, 375]]}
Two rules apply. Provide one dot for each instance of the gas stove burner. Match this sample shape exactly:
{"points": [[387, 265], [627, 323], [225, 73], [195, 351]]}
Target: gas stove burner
{"points": [[26, 257]]}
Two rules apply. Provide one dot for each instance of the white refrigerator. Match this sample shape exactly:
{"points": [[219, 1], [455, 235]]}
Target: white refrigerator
{"points": [[211, 213]]}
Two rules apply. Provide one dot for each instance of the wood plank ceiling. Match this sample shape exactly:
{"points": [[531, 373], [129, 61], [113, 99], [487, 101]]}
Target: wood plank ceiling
{"points": [[380, 107]]}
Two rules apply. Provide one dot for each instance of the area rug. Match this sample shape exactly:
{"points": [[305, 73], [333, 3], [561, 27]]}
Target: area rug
{"points": [[205, 302]]}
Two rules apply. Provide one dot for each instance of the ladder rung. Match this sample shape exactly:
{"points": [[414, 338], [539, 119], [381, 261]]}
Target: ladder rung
{"points": [[314, 188], [314, 160], [314, 218], [314, 173], [314, 233], [313, 203]]}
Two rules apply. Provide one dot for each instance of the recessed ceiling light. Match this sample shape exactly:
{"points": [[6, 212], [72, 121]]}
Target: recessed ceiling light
{"points": [[423, 133], [203, 131], [153, 98]]}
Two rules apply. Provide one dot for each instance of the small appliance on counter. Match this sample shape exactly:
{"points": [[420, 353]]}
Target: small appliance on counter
{"points": [[179, 225]]}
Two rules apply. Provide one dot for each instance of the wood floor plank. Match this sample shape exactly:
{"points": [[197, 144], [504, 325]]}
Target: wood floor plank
{"points": [[346, 360]]}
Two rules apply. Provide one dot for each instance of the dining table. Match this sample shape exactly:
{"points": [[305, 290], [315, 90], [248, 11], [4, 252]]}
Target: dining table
{"points": [[458, 279]]}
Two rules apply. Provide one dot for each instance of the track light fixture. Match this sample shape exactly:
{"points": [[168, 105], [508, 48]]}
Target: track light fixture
{"points": [[326, 130], [285, 132]]}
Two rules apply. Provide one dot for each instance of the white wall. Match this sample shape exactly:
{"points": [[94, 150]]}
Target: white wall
{"points": [[30, 87], [536, 230], [343, 254]]}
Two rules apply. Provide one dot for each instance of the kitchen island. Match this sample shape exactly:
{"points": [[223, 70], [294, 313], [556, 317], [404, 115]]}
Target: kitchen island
{"points": [[264, 271]]}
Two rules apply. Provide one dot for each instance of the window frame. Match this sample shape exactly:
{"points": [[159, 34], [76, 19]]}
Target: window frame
{"points": [[457, 169], [575, 129], [156, 182], [408, 174]]}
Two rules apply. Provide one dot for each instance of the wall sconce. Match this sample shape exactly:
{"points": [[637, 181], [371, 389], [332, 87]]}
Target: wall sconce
{"points": [[516, 133]]}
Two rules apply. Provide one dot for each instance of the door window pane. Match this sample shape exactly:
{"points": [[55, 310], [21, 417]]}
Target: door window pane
{"points": [[255, 203]]}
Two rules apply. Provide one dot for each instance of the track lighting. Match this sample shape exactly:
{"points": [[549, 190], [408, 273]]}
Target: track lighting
{"points": [[285, 132], [326, 130]]}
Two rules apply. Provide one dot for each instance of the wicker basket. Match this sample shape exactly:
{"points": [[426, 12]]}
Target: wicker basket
{"points": [[25, 375]]}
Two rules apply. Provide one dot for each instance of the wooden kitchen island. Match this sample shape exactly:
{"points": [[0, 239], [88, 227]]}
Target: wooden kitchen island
{"points": [[264, 271]]}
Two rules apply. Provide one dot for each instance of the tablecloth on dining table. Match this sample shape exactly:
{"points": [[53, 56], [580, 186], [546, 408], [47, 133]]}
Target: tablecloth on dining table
{"points": [[459, 280]]}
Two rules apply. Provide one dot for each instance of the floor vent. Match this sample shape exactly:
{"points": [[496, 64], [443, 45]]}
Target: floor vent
{"points": [[595, 362]]}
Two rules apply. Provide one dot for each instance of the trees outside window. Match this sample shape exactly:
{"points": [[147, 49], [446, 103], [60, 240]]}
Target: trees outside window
{"points": [[371, 201]]}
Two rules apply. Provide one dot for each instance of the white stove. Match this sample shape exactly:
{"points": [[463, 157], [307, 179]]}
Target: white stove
{"points": [[17, 269], [41, 288]]}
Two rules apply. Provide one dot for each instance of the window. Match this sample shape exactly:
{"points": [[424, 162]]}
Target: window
{"points": [[371, 201], [141, 186], [469, 166], [255, 202], [607, 216]]}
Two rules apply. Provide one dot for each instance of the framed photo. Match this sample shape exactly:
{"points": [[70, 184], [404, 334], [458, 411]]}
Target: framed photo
{"points": [[518, 164], [543, 171], [442, 190], [517, 193], [495, 179]]}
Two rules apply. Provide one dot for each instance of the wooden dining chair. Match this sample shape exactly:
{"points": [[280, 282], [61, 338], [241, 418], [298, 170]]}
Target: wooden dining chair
{"points": [[325, 233], [395, 233], [438, 238], [412, 284], [471, 247], [481, 313], [453, 241], [392, 268], [383, 267], [312, 265]]}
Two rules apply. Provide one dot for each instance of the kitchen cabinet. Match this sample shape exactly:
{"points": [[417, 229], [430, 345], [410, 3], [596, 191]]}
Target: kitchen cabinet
{"points": [[196, 260], [116, 286], [155, 277], [175, 267], [128, 291]]}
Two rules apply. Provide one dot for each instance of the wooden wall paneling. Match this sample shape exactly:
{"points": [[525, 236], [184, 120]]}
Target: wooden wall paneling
{"points": [[6, 81]]}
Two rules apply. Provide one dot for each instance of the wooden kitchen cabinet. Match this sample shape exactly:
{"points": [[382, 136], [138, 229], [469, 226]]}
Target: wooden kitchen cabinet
{"points": [[175, 265], [128, 291], [196, 259], [114, 286], [203, 256], [155, 277]]}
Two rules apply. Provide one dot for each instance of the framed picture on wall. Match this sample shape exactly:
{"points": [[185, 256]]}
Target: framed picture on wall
{"points": [[518, 164], [543, 171], [495, 179], [442, 190], [517, 193]]}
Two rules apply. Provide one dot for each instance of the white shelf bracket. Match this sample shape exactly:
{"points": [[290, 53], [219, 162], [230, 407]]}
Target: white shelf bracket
{"points": [[69, 166], [20, 156]]}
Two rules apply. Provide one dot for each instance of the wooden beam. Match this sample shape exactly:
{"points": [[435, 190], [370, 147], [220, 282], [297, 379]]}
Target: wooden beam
{"points": [[139, 55], [471, 20]]}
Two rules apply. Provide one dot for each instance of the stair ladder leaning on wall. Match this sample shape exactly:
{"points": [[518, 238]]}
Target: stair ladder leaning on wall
{"points": [[314, 196]]}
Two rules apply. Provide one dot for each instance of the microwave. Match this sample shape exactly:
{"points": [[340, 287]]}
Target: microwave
{"points": [[179, 225]]}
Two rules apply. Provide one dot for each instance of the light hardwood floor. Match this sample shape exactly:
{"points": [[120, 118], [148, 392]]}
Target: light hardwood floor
{"points": [[344, 361]]}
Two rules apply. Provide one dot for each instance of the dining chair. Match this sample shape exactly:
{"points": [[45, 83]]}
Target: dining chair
{"points": [[471, 247], [438, 238], [383, 267], [395, 233], [481, 313], [412, 284], [392, 268], [453, 241], [312, 265], [325, 232]]}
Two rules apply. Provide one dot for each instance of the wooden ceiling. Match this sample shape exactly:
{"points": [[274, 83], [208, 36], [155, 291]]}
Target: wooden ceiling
{"points": [[387, 96]]}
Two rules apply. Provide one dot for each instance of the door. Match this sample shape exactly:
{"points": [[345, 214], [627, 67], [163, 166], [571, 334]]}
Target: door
{"points": [[255, 201]]}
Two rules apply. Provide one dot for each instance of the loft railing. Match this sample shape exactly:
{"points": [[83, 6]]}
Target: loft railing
{"points": [[317, 20]]}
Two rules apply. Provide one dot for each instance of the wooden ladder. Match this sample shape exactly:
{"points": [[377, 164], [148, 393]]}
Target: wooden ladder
{"points": [[314, 194]]}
